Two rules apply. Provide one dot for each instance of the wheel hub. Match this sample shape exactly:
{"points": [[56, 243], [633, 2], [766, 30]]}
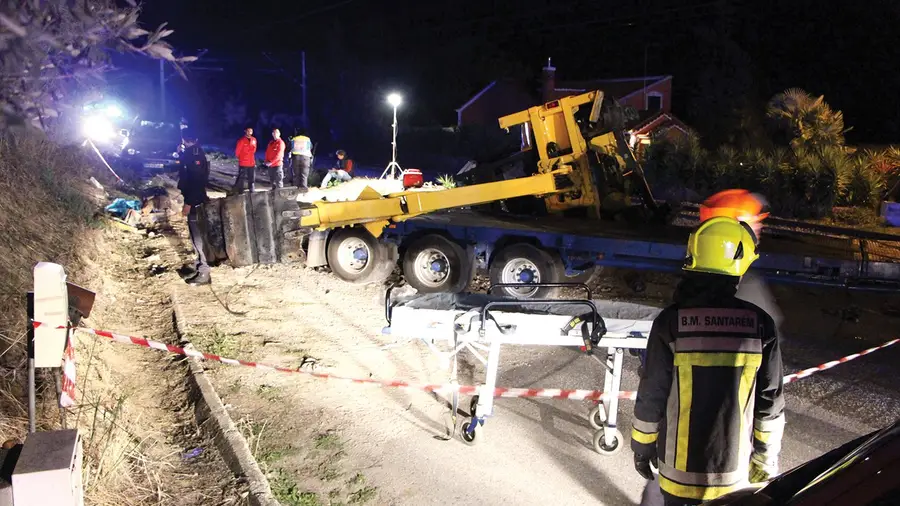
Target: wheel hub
{"points": [[353, 254], [521, 270], [433, 267]]}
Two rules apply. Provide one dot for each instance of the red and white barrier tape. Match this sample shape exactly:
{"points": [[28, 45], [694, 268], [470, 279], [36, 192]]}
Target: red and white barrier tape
{"points": [[790, 378], [548, 393], [67, 396]]}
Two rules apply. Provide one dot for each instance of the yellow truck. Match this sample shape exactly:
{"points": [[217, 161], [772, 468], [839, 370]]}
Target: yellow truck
{"points": [[578, 162]]}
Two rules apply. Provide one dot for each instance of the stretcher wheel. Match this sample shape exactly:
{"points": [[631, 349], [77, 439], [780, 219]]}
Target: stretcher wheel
{"points": [[467, 438], [473, 405], [605, 448], [597, 416]]}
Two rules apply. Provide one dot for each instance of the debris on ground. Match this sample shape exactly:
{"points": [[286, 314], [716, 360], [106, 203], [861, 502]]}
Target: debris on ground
{"points": [[120, 207]]}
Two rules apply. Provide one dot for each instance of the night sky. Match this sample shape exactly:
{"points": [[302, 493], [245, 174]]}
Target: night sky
{"points": [[723, 54]]}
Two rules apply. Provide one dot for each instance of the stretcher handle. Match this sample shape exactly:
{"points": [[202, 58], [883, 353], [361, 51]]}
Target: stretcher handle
{"points": [[597, 319], [387, 300], [583, 286]]}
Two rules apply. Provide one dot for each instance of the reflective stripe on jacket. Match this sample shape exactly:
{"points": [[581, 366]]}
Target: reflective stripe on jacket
{"points": [[711, 396], [301, 145]]}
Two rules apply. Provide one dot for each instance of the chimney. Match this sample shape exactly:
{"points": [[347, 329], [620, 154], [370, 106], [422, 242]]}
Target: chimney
{"points": [[548, 82]]}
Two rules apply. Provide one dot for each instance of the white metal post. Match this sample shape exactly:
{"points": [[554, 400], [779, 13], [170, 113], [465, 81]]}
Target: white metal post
{"points": [[609, 429], [486, 397], [393, 165]]}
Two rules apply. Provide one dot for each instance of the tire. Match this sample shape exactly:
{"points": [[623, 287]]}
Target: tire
{"points": [[355, 256], [435, 264], [601, 447], [587, 277], [475, 437], [597, 417], [524, 263]]}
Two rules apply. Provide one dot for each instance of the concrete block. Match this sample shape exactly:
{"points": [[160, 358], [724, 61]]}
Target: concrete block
{"points": [[211, 217], [238, 230], [263, 204]]}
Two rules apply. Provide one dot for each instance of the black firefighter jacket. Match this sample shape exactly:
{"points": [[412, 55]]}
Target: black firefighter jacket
{"points": [[193, 175], [710, 398]]}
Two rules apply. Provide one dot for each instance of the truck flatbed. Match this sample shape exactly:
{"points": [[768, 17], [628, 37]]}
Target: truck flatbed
{"points": [[785, 254]]}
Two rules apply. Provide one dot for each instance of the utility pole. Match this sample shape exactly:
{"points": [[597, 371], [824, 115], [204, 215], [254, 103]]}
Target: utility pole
{"points": [[303, 87], [162, 86]]}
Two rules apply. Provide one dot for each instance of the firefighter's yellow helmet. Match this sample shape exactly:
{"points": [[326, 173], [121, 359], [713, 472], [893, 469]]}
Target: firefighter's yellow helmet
{"points": [[721, 245]]}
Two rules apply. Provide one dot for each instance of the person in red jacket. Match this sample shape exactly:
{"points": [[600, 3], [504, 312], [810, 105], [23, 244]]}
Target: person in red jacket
{"points": [[275, 159], [245, 151]]}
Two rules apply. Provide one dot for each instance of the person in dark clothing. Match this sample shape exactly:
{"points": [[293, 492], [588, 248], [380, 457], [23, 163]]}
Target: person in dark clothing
{"points": [[193, 176], [301, 160], [709, 412], [749, 208], [342, 172]]}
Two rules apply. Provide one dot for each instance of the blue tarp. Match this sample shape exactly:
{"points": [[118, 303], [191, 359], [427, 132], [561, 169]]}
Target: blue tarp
{"points": [[120, 207]]}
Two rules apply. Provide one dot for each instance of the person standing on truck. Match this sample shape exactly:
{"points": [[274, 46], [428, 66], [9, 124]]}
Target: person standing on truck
{"points": [[245, 151], [341, 171], [275, 159], [709, 412], [301, 159], [749, 208], [193, 177]]}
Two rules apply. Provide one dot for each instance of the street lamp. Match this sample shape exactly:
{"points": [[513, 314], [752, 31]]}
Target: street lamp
{"points": [[394, 99]]}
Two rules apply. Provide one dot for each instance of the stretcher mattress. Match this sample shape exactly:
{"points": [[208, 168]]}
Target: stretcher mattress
{"points": [[437, 316]]}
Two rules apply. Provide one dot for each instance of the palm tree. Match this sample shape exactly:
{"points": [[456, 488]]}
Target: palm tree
{"points": [[808, 121]]}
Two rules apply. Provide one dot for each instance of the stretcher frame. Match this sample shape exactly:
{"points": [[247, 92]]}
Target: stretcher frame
{"points": [[484, 330]]}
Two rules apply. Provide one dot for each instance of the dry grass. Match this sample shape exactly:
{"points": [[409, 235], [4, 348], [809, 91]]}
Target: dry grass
{"points": [[47, 213], [45, 208]]}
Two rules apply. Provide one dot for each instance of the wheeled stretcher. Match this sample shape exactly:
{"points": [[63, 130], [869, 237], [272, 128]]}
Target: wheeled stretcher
{"points": [[482, 324]]}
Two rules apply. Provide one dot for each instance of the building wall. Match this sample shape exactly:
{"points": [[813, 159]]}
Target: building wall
{"points": [[664, 88], [503, 98], [507, 97]]}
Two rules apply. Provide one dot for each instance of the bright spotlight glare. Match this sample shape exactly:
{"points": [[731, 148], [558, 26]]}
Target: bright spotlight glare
{"points": [[395, 99], [98, 128], [113, 111]]}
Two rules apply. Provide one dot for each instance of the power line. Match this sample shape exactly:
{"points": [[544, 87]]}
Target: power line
{"points": [[293, 19]]}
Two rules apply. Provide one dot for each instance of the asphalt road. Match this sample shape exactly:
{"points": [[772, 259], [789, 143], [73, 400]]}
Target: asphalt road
{"points": [[533, 451]]}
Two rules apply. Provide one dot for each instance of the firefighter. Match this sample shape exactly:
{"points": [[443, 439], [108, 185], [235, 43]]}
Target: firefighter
{"points": [[275, 159], [301, 159], [749, 208], [193, 176], [245, 151], [709, 412]]}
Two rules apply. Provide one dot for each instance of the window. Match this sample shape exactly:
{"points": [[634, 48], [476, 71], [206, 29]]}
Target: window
{"points": [[654, 101]]}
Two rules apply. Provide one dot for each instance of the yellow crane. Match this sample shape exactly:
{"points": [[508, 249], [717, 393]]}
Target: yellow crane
{"points": [[579, 161], [570, 150]]}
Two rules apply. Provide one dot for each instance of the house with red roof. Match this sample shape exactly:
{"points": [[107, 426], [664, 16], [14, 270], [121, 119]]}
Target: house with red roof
{"points": [[651, 96]]}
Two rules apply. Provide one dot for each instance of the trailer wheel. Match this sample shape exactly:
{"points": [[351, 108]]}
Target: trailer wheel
{"points": [[524, 263], [355, 256], [434, 264]]}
